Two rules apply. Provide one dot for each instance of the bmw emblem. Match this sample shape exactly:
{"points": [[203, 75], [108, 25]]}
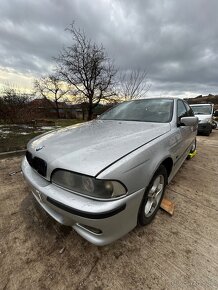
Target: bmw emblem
{"points": [[40, 148]]}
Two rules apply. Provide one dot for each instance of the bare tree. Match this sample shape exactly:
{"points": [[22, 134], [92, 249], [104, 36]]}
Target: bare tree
{"points": [[133, 84], [85, 66], [52, 89]]}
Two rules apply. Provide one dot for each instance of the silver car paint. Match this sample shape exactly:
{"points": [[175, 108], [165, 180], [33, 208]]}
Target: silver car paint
{"points": [[89, 147], [127, 151], [113, 227]]}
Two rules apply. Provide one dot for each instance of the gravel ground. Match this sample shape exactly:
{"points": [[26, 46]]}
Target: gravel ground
{"points": [[179, 252]]}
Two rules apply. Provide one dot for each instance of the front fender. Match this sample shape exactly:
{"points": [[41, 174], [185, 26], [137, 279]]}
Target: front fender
{"points": [[137, 169]]}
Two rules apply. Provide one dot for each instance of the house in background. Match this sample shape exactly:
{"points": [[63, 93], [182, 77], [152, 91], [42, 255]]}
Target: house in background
{"points": [[44, 108]]}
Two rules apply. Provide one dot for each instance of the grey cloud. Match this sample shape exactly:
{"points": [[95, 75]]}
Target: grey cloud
{"points": [[176, 41]]}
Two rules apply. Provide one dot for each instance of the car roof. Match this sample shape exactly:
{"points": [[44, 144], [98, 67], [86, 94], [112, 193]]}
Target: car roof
{"points": [[162, 98], [200, 104]]}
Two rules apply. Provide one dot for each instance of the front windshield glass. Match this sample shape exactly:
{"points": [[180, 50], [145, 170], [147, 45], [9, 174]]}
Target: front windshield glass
{"points": [[146, 110], [202, 110]]}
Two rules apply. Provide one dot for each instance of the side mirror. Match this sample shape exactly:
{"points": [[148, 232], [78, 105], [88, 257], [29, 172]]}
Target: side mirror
{"points": [[188, 121]]}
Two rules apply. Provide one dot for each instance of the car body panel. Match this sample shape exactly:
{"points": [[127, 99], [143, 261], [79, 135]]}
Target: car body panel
{"points": [[112, 227], [101, 144]]}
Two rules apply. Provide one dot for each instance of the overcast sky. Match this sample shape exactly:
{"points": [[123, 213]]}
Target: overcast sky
{"points": [[175, 41]]}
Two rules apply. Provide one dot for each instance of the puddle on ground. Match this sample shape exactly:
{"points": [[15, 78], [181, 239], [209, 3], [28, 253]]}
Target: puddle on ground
{"points": [[24, 129]]}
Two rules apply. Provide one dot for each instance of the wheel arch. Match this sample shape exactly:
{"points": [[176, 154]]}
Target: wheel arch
{"points": [[168, 164]]}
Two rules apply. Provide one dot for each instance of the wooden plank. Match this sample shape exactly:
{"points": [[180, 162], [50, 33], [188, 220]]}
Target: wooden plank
{"points": [[168, 206]]}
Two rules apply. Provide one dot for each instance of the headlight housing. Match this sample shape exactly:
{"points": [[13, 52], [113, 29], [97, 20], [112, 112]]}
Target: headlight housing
{"points": [[86, 185]]}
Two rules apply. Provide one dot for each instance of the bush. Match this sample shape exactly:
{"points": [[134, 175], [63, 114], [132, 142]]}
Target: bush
{"points": [[14, 107]]}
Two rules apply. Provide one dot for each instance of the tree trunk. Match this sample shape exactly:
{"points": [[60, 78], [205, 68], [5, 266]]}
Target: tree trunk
{"points": [[90, 110], [57, 110]]}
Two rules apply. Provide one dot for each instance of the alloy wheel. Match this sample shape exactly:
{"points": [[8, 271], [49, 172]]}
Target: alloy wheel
{"points": [[154, 195]]}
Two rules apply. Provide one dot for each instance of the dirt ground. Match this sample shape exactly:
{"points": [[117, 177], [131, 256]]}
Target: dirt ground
{"points": [[179, 252]]}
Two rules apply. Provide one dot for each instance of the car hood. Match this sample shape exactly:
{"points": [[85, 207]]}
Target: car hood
{"points": [[90, 147], [203, 118]]}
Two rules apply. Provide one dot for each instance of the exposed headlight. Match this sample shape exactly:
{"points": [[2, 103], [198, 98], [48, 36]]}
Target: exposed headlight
{"points": [[87, 185]]}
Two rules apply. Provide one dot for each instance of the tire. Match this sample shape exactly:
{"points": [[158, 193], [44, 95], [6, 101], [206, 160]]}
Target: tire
{"points": [[214, 125], [151, 201], [207, 133]]}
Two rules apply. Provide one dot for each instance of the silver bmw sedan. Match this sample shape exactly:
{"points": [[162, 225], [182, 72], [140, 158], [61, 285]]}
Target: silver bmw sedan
{"points": [[105, 176]]}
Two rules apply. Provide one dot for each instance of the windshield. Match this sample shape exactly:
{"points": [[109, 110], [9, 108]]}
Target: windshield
{"points": [[202, 110], [146, 110]]}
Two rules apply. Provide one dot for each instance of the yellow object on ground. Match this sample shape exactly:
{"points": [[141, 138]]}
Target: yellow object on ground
{"points": [[191, 155]]}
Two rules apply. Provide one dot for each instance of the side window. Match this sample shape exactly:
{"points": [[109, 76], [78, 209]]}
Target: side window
{"points": [[181, 110], [189, 110]]}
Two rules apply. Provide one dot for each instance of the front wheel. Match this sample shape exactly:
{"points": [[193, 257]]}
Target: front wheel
{"points": [[153, 197]]}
